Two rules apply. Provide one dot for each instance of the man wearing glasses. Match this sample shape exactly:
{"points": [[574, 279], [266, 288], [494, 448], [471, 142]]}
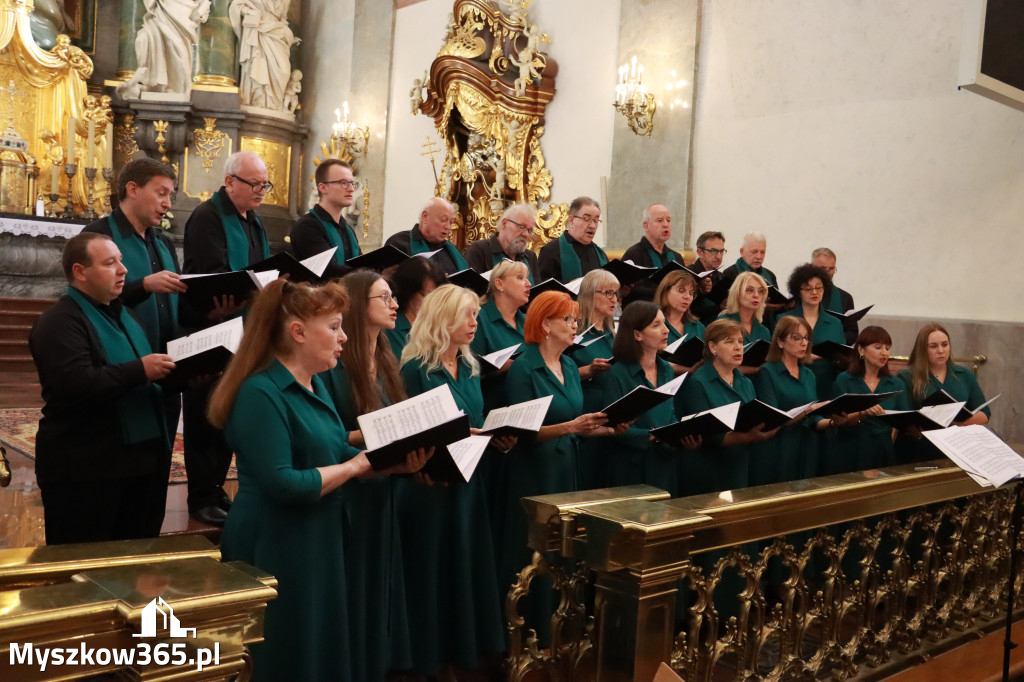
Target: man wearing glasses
{"points": [[222, 234], [511, 241], [324, 226], [574, 253], [431, 234], [710, 294], [839, 301], [652, 250]]}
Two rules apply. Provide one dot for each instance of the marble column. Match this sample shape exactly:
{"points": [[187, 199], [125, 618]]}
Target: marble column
{"points": [[662, 35], [216, 60], [132, 13]]}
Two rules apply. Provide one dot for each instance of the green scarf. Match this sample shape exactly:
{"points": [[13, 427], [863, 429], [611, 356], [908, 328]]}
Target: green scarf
{"points": [[139, 409], [136, 259], [570, 262], [421, 246], [743, 266], [835, 302], [346, 250], [234, 235], [656, 257]]}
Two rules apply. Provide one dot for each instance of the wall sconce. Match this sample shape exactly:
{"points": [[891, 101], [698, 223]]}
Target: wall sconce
{"points": [[632, 99], [350, 139]]}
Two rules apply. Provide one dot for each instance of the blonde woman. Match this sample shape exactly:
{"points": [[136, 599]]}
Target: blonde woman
{"points": [[500, 322]]}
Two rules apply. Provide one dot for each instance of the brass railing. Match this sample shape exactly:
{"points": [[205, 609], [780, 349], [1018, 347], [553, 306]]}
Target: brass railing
{"points": [[841, 577], [975, 361]]}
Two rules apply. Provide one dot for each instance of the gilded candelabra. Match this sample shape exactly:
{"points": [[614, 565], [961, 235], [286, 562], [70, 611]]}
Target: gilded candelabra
{"points": [[90, 176], [108, 175], [348, 136], [69, 170], [632, 99]]}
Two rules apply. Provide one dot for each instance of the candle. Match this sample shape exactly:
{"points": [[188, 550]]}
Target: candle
{"points": [[54, 179], [71, 141], [90, 158], [110, 145]]}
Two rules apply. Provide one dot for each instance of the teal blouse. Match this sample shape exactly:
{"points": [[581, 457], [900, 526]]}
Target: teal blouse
{"points": [[827, 328], [690, 328], [712, 467], [632, 456], [867, 445], [757, 330], [793, 453], [492, 334], [592, 460], [960, 383]]}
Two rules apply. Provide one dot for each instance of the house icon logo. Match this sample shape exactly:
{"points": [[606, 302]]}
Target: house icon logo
{"points": [[158, 608]]}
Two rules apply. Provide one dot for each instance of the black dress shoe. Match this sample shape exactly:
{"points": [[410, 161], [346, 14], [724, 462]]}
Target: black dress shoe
{"points": [[224, 502], [211, 515]]}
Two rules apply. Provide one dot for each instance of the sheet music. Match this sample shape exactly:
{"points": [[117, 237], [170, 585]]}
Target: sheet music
{"points": [[487, 275], [466, 453], [578, 339], [429, 254], [318, 263], [227, 334], [942, 414], [264, 278], [574, 285], [205, 274], [797, 410], [671, 387], [674, 346], [499, 357], [977, 450], [726, 414], [529, 415], [408, 417], [985, 404], [594, 340]]}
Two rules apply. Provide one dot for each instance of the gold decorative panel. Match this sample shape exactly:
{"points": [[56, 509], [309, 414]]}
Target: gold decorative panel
{"points": [[205, 159], [277, 156]]}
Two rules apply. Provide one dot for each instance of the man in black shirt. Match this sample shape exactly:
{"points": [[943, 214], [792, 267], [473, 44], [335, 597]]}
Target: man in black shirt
{"points": [[431, 234], [324, 226], [710, 252], [223, 234], [652, 250], [574, 253], [102, 450], [839, 300], [511, 241]]}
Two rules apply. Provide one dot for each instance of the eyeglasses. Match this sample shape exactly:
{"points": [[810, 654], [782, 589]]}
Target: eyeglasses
{"points": [[522, 228], [684, 291], [799, 338], [715, 252], [589, 220], [386, 299], [257, 187], [354, 184], [569, 319], [813, 290], [612, 294]]}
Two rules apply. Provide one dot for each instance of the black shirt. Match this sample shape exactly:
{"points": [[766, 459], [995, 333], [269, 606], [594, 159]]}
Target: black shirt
{"points": [[483, 254], [442, 260], [551, 261], [79, 435], [134, 292], [206, 247], [308, 238], [639, 253]]}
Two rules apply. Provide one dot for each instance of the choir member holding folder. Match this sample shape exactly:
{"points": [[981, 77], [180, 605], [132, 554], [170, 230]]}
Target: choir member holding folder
{"points": [[866, 443], [930, 369], [501, 323], [810, 285], [722, 462], [634, 456], [674, 296], [287, 516], [545, 464], [366, 379], [414, 279], [450, 576], [745, 305]]}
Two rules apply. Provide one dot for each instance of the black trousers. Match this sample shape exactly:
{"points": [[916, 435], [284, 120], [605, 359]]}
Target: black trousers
{"points": [[207, 455]]}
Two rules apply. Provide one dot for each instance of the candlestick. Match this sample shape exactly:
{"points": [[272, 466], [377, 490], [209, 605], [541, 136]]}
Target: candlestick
{"points": [[54, 177], [108, 175], [90, 159], [110, 147], [71, 140], [69, 170], [54, 198], [90, 175]]}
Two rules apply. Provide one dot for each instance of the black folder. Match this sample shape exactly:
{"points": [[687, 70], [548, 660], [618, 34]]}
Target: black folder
{"points": [[471, 279], [441, 467], [903, 419], [688, 354], [671, 266], [201, 291], [286, 264], [702, 424], [633, 404], [853, 315], [627, 273], [379, 259], [550, 284], [776, 297], [756, 412], [755, 353], [583, 344], [852, 402], [837, 352], [210, 361], [941, 397]]}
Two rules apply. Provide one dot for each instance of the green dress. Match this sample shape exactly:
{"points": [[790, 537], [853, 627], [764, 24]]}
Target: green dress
{"points": [[537, 469], [451, 580], [827, 328], [399, 336], [691, 328], [632, 456], [867, 445], [757, 330], [493, 333], [713, 467], [376, 584], [592, 460], [961, 384], [280, 524], [793, 453]]}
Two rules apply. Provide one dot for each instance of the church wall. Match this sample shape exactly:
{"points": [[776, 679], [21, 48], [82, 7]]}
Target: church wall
{"points": [[840, 125], [579, 122]]}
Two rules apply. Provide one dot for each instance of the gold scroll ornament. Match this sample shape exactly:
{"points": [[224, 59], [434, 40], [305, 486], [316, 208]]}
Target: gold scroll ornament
{"points": [[277, 156], [209, 144]]}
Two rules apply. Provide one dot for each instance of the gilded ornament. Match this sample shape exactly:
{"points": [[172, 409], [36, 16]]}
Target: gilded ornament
{"points": [[161, 127], [124, 136], [463, 41], [277, 157], [209, 142]]}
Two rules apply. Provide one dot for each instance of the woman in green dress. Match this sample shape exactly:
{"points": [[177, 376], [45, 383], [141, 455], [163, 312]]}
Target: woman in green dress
{"points": [[810, 285], [500, 323], [745, 305], [366, 379], [866, 442], [634, 457], [930, 369], [674, 296], [451, 581], [411, 281], [598, 297], [786, 382], [545, 464], [293, 462], [722, 462]]}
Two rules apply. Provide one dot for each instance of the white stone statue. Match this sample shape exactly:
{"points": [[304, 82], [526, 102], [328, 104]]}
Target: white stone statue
{"points": [[264, 42], [527, 69], [291, 93], [416, 94], [163, 47]]}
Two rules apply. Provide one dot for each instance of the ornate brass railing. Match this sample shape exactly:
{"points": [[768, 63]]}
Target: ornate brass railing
{"points": [[975, 361], [839, 577]]}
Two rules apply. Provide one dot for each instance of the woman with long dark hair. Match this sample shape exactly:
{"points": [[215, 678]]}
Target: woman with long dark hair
{"points": [[410, 282]]}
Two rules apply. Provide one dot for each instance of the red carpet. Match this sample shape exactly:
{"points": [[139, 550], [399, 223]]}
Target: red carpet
{"points": [[18, 431]]}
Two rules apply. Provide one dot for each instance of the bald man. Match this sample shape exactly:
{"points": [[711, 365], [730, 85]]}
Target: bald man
{"points": [[652, 250], [431, 234]]}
